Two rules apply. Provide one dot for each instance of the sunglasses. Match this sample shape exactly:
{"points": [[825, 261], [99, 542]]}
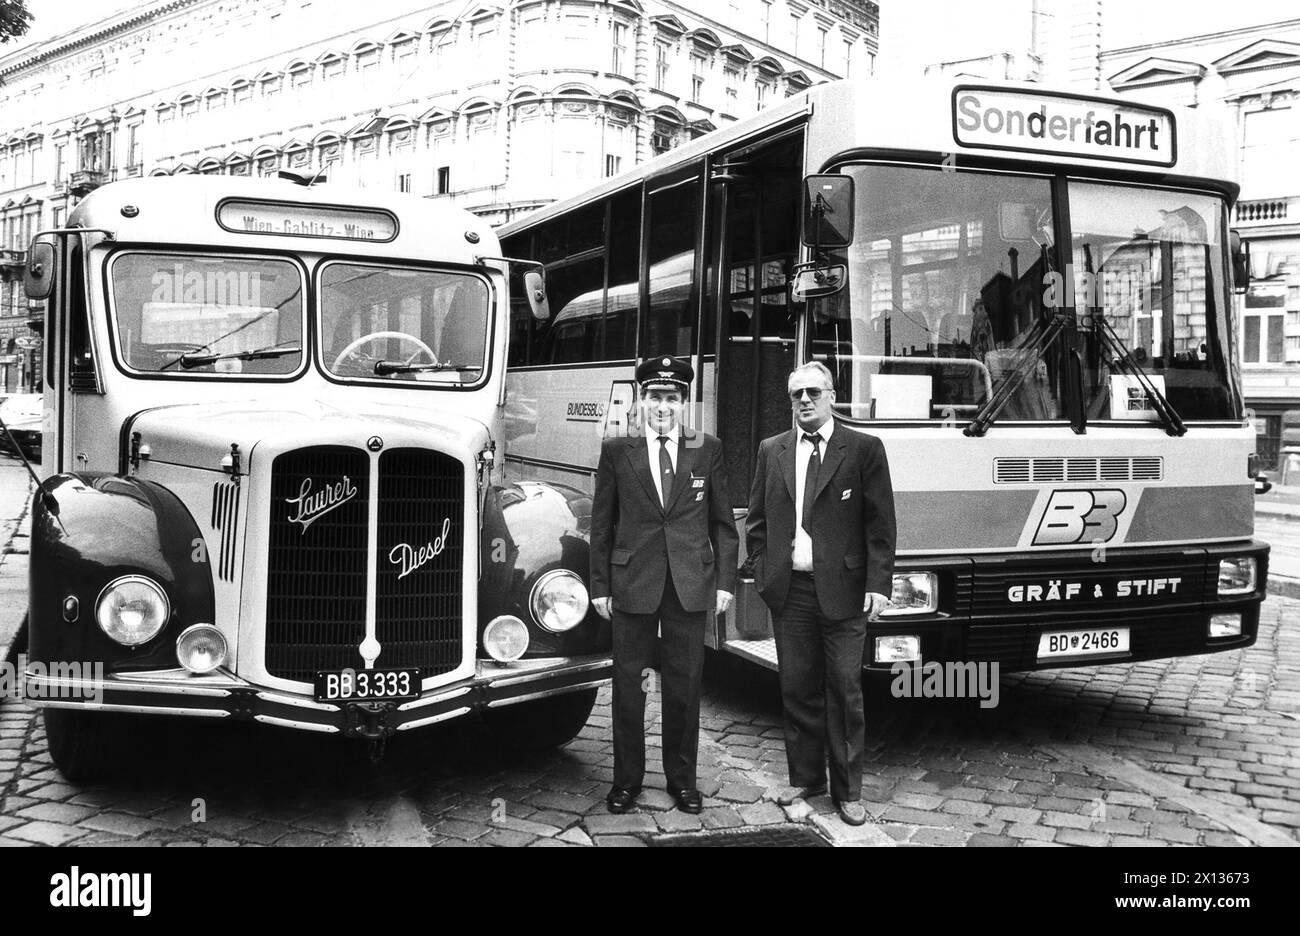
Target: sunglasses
{"points": [[814, 394]]}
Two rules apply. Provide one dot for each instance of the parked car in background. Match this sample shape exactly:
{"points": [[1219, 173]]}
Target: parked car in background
{"points": [[22, 415]]}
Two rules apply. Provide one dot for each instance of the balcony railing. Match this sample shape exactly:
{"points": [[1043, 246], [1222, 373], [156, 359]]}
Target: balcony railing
{"points": [[85, 181], [11, 264], [1263, 211]]}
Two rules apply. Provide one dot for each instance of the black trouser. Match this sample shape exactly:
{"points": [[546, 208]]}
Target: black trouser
{"points": [[681, 670], [820, 664]]}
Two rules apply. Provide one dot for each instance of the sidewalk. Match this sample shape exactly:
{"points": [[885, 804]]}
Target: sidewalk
{"points": [[15, 533]]}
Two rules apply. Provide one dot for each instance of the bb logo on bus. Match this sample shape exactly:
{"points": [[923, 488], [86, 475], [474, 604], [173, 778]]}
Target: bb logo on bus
{"points": [[1080, 517]]}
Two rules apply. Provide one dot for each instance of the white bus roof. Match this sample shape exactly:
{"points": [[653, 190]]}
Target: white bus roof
{"points": [[277, 214], [935, 116]]}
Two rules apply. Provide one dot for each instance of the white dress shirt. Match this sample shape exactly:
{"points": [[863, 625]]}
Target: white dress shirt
{"points": [[652, 450], [803, 556]]}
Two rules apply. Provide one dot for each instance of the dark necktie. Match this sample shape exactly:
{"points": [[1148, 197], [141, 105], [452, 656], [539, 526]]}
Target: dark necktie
{"points": [[665, 469], [810, 479]]}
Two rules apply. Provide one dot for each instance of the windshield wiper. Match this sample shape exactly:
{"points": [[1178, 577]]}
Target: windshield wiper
{"points": [[191, 359], [1037, 342], [384, 368], [1124, 361]]}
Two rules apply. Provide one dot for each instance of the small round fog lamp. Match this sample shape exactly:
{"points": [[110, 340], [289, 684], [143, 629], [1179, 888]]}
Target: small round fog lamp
{"points": [[201, 648]]}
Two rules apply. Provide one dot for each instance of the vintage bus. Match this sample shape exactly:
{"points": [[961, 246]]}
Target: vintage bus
{"points": [[272, 480], [1026, 295]]}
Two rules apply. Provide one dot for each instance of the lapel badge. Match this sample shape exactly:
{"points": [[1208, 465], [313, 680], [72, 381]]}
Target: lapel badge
{"points": [[847, 493]]}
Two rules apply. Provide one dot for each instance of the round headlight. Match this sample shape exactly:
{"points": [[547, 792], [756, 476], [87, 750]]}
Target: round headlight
{"points": [[201, 648], [505, 638], [559, 601], [132, 610]]}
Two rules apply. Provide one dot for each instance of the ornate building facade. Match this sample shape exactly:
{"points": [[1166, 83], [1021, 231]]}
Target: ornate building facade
{"points": [[497, 107]]}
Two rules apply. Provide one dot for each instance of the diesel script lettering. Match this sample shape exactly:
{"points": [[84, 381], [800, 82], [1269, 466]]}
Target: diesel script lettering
{"points": [[408, 558], [312, 506]]}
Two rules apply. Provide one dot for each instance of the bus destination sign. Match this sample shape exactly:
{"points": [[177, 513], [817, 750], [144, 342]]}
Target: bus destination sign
{"points": [[1063, 125], [286, 219]]}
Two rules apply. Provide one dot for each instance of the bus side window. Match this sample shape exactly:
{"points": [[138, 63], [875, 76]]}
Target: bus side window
{"points": [[672, 237]]}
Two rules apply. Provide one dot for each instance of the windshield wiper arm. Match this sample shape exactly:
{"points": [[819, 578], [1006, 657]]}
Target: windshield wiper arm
{"points": [[1037, 342], [384, 368], [191, 359], [1123, 360]]}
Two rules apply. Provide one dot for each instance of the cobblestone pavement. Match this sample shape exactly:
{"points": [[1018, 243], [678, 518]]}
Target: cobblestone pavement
{"points": [[1194, 751]]}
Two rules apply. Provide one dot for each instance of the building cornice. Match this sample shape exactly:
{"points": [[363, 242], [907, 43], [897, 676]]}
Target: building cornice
{"points": [[86, 35]]}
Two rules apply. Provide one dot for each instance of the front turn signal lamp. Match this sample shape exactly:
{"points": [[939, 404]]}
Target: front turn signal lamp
{"points": [[132, 610], [1237, 576]]}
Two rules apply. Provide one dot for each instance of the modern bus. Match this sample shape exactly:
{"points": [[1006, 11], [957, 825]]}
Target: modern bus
{"points": [[1026, 294]]}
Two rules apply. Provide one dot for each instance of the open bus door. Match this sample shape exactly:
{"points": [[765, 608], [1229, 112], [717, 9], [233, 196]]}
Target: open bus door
{"points": [[753, 248]]}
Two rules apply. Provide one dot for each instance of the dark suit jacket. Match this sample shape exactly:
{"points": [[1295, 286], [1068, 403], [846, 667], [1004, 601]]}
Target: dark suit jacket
{"points": [[635, 541], [852, 528]]}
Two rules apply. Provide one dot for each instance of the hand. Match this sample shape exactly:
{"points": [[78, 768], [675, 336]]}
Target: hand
{"points": [[724, 600], [874, 604], [602, 606]]}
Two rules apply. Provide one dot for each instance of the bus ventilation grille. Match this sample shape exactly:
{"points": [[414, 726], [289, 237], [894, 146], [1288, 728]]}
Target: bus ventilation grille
{"points": [[1106, 468]]}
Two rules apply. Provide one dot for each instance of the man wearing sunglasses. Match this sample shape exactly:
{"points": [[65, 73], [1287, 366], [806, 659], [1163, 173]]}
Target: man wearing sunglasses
{"points": [[821, 533]]}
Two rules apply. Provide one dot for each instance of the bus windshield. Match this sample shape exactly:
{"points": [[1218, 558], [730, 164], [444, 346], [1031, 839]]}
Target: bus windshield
{"points": [[206, 314], [950, 271], [403, 324]]}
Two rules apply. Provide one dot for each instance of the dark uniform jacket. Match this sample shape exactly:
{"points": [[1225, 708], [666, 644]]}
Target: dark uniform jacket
{"points": [[635, 541]]}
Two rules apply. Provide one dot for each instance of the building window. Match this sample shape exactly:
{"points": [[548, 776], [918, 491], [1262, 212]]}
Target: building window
{"points": [[619, 44], [698, 66], [731, 80], [763, 92], [613, 165], [134, 151], [1263, 323], [331, 69], [404, 182], [444, 180], [404, 56], [300, 80], [59, 149], [241, 93], [271, 86], [189, 107], [216, 101], [368, 66], [794, 33], [661, 66], [848, 58], [821, 46], [766, 15], [484, 35]]}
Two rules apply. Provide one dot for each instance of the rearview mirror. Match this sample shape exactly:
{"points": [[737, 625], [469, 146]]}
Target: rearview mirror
{"points": [[39, 272], [828, 211], [535, 287], [1240, 261]]}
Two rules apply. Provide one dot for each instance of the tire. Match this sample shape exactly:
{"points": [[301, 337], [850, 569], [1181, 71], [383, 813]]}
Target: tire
{"points": [[542, 723], [85, 745]]}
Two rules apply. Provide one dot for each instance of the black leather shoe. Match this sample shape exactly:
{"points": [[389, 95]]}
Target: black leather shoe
{"points": [[688, 801], [621, 799]]}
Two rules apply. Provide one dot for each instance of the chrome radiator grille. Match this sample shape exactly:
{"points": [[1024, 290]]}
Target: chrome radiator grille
{"points": [[317, 574]]}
